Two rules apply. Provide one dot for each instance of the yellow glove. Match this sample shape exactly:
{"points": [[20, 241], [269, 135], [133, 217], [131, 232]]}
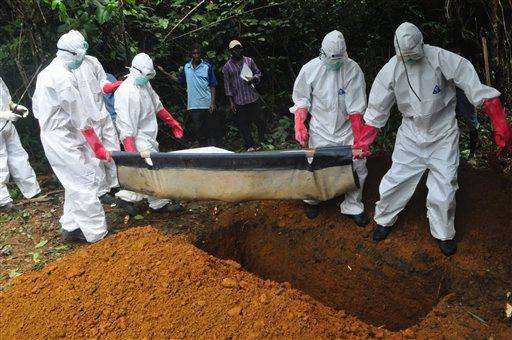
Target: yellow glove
{"points": [[20, 109]]}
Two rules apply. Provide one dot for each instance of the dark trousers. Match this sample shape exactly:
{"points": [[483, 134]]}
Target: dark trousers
{"points": [[246, 115], [202, 126]]}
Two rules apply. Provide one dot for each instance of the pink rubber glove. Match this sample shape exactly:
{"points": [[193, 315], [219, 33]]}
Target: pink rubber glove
{"points": [[301, 132], [502, 131], [164, 115], [364, 135], [96, 145], [111, 87], [129, 144]]}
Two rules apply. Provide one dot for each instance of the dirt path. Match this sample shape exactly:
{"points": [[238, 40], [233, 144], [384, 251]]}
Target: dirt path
{"points": [[282, 274]]}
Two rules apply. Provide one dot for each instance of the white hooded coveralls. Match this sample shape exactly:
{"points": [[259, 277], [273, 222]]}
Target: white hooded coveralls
{"points": [[330, 96], [428, 136], [58, 106], [91, 78], [13, 157], [136, 108]]}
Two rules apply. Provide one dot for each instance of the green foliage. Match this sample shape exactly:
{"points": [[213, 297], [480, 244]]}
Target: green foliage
{"points": [[280, 35]]}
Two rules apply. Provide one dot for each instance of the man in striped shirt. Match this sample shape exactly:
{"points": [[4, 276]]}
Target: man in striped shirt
{"points": [[240, 76]]}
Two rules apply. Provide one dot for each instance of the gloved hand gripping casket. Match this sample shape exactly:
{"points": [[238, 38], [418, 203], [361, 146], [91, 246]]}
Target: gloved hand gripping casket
{"points": [[216, 174]]}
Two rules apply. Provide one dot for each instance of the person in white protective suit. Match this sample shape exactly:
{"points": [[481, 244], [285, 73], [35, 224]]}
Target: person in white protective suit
{"points": [[67, 135], [13, 158], [422, 80], [137, 106], [331, 89], [92, 85]]}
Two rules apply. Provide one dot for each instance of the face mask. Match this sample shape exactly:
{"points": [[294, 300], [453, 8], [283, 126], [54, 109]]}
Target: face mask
{"points": [[333, 66], [141, 81], [410, 61], [75, 64]]}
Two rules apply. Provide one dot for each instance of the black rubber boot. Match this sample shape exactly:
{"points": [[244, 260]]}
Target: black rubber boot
{"points": [[114, 191], [8, 208], [72, 236], [129, 207], [380, 233], [107, 199], [448, 247], [361, 220], [312, 210], [171, 207]]}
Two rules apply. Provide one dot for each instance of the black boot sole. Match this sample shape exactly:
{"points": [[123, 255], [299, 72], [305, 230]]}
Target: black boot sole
{"points": [[360, 222], [447, 250], [311, 213], [128, 207], [382, 236]]}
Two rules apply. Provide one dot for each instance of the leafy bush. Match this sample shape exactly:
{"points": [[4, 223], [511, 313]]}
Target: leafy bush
{"points": [[280, 35]]}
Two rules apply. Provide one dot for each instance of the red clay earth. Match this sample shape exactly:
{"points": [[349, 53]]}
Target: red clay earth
{"points": [[282, 275]]}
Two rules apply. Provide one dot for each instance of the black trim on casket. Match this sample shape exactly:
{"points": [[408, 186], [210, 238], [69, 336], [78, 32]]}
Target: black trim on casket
{"points": [[273, 160]]}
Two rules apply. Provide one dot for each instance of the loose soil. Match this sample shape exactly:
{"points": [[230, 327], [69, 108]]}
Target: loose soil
{"points": [[262, 269]]}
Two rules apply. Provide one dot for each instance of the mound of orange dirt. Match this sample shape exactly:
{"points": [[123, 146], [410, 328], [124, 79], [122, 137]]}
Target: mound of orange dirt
{"points": [[140, 283]]}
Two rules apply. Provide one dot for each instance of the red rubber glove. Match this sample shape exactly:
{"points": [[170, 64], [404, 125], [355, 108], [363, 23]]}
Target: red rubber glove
{"points": [[129, 144], [96, 146], [111, 87], [164, 115], [364, 135], [502, 131], [301, 132]]}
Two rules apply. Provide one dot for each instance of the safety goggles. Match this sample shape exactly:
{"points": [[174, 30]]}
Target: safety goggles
{"points": [[149, 75], [85, 47], [331, 57]]}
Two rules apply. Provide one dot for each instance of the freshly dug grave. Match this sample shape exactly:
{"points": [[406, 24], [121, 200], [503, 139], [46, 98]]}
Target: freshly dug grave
{"points": [[140, 283], [402, 283]]}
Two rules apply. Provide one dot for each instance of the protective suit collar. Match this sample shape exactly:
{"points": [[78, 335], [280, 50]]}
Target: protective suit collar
{"points": [[334, 49], [408, 42], [72, 49]]}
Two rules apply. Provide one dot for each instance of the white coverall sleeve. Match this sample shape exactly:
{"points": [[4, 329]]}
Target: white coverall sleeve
{"points": [[382, 98], [5, 96], [301, 92], [99, 73], [459, 70], [128, 111], [156, 99], [71, 102], [355, 98]]}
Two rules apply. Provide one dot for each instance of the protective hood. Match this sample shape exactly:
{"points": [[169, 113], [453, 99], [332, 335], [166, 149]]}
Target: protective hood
{"points": [[334, 48], [142, 65], [72, 48], [409, 42], [5, 96]]}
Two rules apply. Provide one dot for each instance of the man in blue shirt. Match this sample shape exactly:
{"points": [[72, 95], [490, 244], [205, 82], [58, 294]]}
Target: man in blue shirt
{"points": [[199, 77], [108, 98]]}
